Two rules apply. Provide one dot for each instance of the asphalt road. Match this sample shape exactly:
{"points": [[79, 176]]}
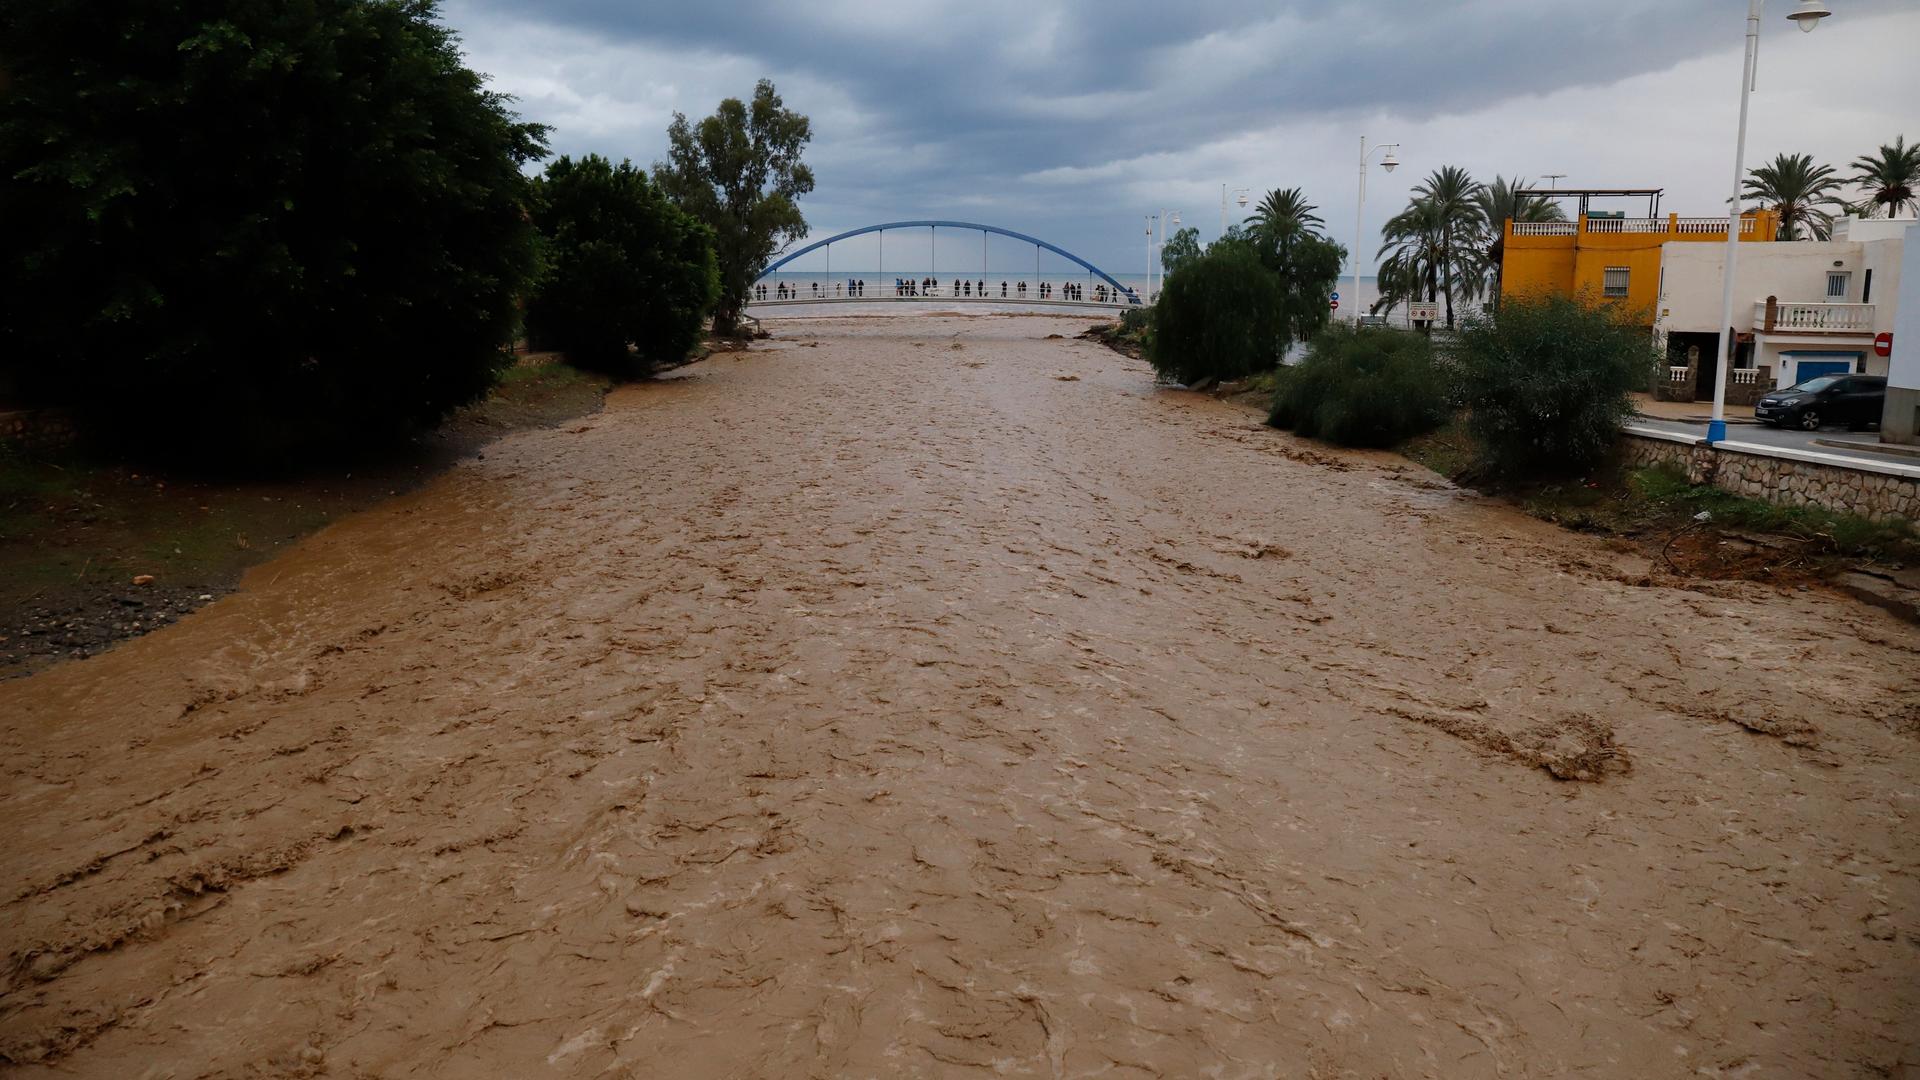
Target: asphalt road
{"points": [[1835, 440]]}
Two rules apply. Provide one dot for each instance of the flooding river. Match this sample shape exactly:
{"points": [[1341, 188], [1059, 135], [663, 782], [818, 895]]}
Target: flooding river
{"points": [[929, 697]]}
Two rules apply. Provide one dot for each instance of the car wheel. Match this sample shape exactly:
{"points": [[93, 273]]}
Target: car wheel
{"points": [[1810, 420]]}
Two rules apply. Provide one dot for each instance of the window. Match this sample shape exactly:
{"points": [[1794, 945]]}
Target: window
{"points": [[1614, 282], [1837, 285], [1866, 287]]}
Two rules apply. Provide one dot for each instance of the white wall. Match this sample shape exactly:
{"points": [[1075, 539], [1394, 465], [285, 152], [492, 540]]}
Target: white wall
{"points": [[1691, 274], [1863, 229], [1904, 367]]}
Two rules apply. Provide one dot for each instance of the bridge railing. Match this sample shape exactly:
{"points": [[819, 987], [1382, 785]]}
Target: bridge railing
{"points": [[858, 290]]}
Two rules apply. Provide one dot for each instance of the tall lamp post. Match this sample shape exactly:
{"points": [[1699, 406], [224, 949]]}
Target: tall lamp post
{"points": [[1241, 196], [1149, 221], [1807, 13], [1360, 212], [1167, 218]]}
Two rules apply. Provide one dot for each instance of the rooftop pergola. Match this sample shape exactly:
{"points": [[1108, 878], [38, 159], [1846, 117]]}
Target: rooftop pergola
{"points": [[1652, 195]]}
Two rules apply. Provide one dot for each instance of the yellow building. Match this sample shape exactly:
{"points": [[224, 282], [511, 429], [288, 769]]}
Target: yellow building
{"points": [[1612, 259]]}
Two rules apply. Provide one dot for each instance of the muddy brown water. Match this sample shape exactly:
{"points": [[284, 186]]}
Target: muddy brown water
{"points": [[923, 697]]}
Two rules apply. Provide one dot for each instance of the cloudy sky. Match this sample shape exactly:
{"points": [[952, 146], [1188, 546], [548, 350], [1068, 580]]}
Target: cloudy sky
{"points": [[1071, 121]]}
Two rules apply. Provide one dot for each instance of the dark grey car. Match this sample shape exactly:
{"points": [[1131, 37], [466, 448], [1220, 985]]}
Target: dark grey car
{"points": [[1853, 400]]}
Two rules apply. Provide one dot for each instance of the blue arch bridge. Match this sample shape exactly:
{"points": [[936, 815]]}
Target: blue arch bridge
{"points": [[1085, 287]]}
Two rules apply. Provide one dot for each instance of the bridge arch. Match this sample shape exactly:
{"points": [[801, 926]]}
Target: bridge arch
{"points": [[1132, 297]]}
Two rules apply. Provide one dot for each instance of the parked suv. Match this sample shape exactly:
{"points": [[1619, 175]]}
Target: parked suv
{"points": [[1853, 400]]}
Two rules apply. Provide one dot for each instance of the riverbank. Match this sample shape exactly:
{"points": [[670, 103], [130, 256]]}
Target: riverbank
{"points": [[95, 552]]}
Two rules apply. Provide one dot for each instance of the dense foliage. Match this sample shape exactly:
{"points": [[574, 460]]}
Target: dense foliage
{"points": [[1181, 248], [624, 267], [255, 225], [1546, 382], [740, 172], [1222, 315], [1368, 387]]}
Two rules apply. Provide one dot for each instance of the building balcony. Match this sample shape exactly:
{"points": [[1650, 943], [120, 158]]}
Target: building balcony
{"points": [[1786, 317]]}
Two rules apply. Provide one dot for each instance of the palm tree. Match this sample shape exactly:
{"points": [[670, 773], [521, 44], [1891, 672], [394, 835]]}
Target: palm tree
{"points": [[1501, 202], [1800, 192], [1282, 213], [1889, 178], [1439, 237], [1412, 254]]}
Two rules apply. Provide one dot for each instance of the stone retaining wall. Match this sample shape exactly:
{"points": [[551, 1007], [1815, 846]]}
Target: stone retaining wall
{"points": [[1876, 496], [40, 429]]}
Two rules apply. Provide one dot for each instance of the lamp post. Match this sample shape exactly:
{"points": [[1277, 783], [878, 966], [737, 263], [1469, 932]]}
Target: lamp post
{"points": [[1149, 220], [1807, 13], [1360, 212], [1241, 194], [1167, 218]]}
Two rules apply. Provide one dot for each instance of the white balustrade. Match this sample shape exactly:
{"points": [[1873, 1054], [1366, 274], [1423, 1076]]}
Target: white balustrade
{"points": [[1545, 228], [1816, 317], [1744, 376], [1677, 374]]}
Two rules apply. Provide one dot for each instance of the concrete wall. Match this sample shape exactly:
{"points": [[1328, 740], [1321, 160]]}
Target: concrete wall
{"points": [[1877, 496], [1902, 416]]}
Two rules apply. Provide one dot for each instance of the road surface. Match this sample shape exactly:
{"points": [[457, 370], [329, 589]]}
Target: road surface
{"points": [[928, 697]]}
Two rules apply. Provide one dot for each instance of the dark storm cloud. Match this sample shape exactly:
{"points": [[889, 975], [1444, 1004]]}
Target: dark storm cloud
{"points": [[953, 103]]}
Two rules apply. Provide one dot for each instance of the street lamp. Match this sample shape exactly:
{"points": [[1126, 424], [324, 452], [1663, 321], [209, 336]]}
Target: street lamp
{"points": [[1167, 218], [1806, 14], [1360, 212], [1241, 193]]}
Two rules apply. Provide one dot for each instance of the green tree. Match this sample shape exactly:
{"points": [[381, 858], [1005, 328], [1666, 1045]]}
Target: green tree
{"points": [[1366, 387], [1182, 247], [1284, 231], [740, 172], [1803, 194], [1307, 267], [1889, 178], [1546, 382], [255, 225], [1281, 213], [1439, 238], [1223, 315], [625, 267], [1499, 203]]}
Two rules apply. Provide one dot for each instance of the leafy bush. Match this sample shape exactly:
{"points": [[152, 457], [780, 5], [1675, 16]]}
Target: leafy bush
{"points": [[625, 267], [1222, 315], [1546, 382], [1370, 387], [255, 226]]}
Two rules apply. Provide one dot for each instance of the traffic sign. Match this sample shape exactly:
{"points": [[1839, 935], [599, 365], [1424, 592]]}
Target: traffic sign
{"points": [[1336, 305], [1883, 343], [1336, 296], [1423, 311]]}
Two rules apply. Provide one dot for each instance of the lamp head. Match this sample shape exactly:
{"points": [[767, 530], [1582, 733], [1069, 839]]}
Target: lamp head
{"points": [[1243, 198], [1389, 163], [1808, 14]]}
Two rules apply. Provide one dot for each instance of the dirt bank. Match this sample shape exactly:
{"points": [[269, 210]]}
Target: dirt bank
{"points": [[924, 697], [76, 531]]}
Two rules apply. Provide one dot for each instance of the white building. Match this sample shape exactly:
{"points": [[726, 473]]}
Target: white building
{"points": [[1801, 308], [1901, 420]]}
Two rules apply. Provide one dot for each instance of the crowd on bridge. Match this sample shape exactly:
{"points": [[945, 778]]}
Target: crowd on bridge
{"points": [[853, 288]]}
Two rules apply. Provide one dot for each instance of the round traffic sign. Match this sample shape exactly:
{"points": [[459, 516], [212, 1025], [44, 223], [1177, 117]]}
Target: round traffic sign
{"points": [[1336, 305], [1883, 343], [1336, 296]]}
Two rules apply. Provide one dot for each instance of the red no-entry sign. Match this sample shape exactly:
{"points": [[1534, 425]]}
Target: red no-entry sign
{"points": [[1883, 343]]}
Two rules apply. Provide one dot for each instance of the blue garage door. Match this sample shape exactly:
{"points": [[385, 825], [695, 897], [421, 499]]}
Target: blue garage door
{"points": [[1813, 369]]}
